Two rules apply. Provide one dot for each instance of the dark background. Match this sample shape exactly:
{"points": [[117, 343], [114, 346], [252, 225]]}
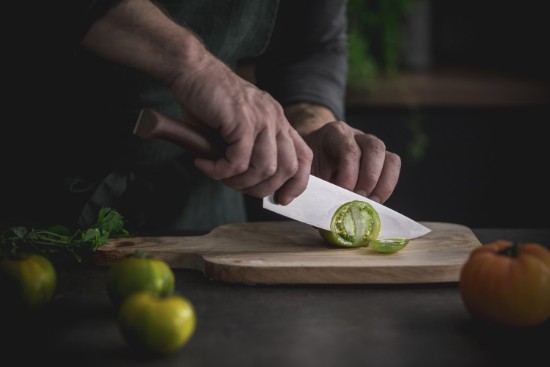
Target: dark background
{"points": [[483, 160], [483, 167], [498, 35]]}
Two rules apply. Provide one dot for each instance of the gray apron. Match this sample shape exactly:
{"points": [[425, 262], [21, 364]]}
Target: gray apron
{"points": [[153, 183]]}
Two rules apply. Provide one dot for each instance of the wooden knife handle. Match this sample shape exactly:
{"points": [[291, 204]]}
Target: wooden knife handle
{"points": [[152, 124]]}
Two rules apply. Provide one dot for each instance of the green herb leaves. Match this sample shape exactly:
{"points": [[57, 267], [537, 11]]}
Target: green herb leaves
{"points": [[19, 240]]}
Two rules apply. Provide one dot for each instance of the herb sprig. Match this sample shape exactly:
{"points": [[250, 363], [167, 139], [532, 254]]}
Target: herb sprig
{"points": [[18, 240]]}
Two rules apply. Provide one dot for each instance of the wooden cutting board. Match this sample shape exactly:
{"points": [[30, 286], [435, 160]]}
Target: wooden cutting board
{"points": [[289, 252]]}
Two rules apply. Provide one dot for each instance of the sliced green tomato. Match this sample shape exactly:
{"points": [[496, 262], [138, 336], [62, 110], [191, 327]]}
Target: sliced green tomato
{"points": [[389, 245], [354, 224]]}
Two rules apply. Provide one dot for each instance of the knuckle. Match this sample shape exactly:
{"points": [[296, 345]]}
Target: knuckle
{"points": [[291, 168], [238, 168], [307, 155], [376, 145], [340, 125], [351, 152], [268, 171]]}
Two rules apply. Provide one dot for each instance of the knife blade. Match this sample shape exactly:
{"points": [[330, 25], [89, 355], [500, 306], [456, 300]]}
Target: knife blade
{"points": [[320, 200], [315, 206]]}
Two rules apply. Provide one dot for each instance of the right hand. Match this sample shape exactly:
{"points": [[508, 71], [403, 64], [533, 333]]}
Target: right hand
{"points": [[264, 153]]}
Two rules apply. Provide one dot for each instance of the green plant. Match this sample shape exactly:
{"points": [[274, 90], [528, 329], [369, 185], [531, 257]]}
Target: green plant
{"points": [[58, 238], [375, 39], [375, 44]]}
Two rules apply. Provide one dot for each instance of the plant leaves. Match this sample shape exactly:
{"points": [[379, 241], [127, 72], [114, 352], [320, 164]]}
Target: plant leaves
{"points": [[58, 238]]}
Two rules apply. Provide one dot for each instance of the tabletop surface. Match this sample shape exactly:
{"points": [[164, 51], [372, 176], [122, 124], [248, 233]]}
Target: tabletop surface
{"points": [[281, 325]]}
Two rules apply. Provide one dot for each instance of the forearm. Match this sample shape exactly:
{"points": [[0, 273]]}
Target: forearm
{"points": [[138, 34]]}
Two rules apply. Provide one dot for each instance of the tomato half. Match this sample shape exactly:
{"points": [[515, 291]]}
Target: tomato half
{"points": [[354, 224], [28, 282], [155, 323], [138, 272]]}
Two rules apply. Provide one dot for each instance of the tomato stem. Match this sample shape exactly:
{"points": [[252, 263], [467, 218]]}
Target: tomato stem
{"points": [[510, 251]]}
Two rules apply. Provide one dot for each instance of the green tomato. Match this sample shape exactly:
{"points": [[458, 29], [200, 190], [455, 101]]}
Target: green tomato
{"points": [[28, 282], [157, 324], [136, 273], [357, 224]]}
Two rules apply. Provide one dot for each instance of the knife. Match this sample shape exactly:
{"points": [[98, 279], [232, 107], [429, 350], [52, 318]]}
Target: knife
{"points": [[315, 206]]}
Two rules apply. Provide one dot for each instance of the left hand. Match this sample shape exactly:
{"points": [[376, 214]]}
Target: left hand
{"points": [[348, 157]]}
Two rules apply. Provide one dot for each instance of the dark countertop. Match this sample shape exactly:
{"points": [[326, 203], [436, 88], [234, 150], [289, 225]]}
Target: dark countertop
{"points": [[281, 325]]}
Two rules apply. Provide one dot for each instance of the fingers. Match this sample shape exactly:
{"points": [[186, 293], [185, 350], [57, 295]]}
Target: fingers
{"points": [[281, 163], [297, 183], [236, 160], [354, 160], [388, 178], [263, 163], [378, 169], [246, 164], [373, 154], [268, 169]]}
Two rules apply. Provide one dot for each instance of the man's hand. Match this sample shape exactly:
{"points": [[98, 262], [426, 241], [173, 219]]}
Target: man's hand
{"points": [[354, 160], [344, 155], [264, 153]]}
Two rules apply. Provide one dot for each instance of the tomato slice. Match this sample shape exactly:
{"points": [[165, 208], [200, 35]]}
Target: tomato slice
{"points": [[389, 245], [354, 224]]}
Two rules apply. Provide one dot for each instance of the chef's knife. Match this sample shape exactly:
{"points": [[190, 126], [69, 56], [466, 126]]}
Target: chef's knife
{"points": [[315, 206], [318, 203]]}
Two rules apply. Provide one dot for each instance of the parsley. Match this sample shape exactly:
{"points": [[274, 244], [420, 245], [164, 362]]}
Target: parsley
{"points": [[18, 240]]}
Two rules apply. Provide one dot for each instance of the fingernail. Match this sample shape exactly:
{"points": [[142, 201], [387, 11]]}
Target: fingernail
{"points": [[375, 198], [283, 200], [361, 192]]}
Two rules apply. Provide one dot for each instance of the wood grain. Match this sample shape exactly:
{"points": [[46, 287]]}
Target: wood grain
{"points": [[289, 252]]}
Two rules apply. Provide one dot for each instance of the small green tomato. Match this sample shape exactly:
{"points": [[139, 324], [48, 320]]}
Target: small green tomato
{"points": [[28, 282], [138, 272], [157, 324]]}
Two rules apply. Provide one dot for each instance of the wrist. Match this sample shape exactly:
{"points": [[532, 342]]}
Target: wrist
{"points": [[307, 117], [185, 55]]}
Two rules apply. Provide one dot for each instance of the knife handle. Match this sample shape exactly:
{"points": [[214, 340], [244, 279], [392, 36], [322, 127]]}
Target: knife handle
{"points": [[152, 124]]}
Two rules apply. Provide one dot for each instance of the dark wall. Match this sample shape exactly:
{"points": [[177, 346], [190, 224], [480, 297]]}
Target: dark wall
{"points": [[481, 167], [504, 35]]}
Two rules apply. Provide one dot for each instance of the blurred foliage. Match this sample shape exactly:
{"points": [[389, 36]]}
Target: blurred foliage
{"points": [[375, 36], [375, 39], [418, 142]]}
